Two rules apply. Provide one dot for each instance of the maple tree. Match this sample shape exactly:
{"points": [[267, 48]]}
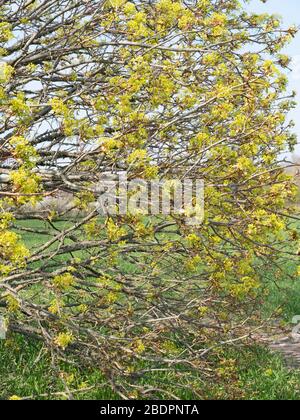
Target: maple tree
{"points": [[157, 89]]}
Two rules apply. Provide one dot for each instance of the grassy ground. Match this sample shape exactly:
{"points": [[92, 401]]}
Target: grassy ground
{"points": [[26, 371], [254, 373], [285, 297]]}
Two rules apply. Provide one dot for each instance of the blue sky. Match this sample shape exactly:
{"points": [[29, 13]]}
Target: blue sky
{"points": [[290, 11]]}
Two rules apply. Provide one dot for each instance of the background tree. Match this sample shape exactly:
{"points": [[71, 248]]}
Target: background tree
{"points": [[157, 89]]}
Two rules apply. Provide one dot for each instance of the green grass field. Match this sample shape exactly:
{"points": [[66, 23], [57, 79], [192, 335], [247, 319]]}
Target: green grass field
{"points": [[26, 370]]}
